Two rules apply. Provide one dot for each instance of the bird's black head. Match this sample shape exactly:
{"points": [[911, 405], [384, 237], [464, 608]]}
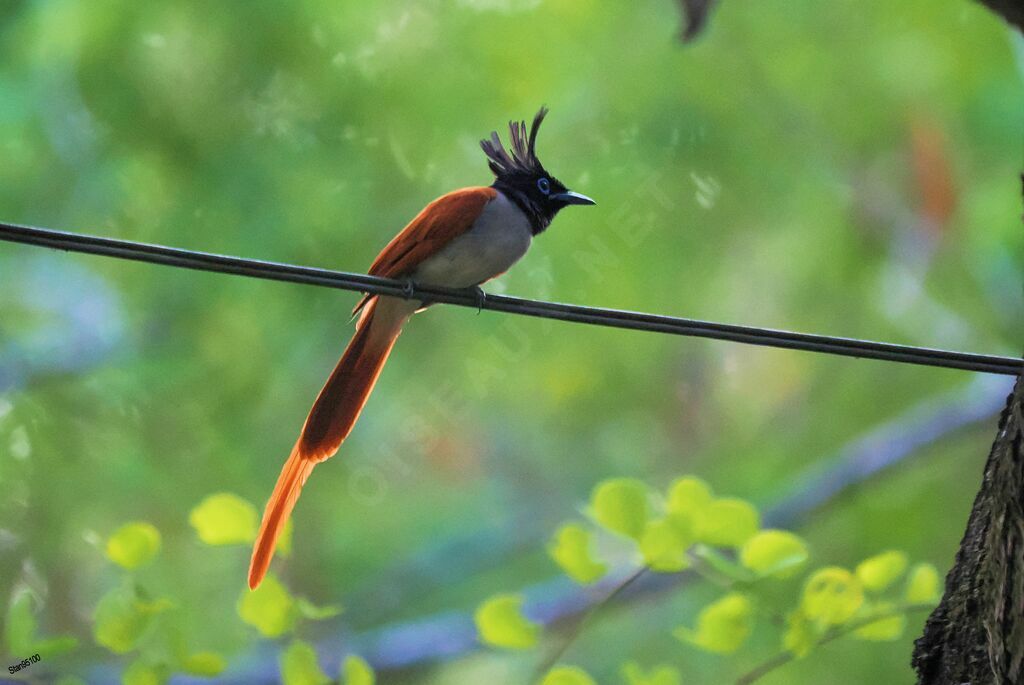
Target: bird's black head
{"points": [[522, 177]]}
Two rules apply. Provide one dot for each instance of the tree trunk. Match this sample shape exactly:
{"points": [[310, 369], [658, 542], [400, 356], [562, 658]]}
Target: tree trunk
{"points": [[976, 634]]}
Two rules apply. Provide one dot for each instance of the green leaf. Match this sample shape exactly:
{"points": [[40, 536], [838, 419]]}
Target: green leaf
{"points": [[225, 519], [723, 626], [316, 613], [55, 646], [620, 505], [728, 522], [663, 546], [832, 596], [269, 608], [20, 626], [885, 629], [570, 547], [688, 497], [801, 634], [205, 664], [355, 671], [133, 544], [500, 623], [775, 553], [299, 666], [659, 675], [142, 673], [567, 675], [882, 570], [922, 585], [122, 619]]}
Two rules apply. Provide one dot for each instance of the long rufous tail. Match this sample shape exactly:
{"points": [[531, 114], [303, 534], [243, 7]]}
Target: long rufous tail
{"points": [[331, 419]]}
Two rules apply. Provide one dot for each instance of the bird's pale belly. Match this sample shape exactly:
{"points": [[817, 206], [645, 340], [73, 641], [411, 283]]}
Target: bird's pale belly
{"points": [[497, 240]]}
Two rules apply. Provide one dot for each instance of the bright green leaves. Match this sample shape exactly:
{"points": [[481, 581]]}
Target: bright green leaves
{"points": [[666, 529], [570, 547], [620, 505], [722, 626], [133, 545], [882, 570], [123, 618], [355, 671], [664, 544], [270, 608], [299, 665], [688, 498], [659, 675], [126, 619], [273, 611], [922, 585], [834, 600], [205, 664], [225, 519], [776, 553], [725, 522], [728, 522], [832, 595], [567, 675], [20, 628], [720, 538], [500, 623]]}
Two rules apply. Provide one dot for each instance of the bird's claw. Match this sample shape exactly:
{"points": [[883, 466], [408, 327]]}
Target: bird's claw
{"points": [[481, 298], [408, 289]]}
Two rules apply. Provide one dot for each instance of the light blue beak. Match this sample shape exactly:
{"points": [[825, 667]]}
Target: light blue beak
{"points": [[571, 198]]}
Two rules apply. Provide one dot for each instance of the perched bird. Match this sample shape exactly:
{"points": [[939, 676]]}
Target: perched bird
{"points": [[459, 240]]}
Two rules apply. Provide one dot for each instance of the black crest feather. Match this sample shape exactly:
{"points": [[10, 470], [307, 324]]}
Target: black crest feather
{"points": [[523, 159]]}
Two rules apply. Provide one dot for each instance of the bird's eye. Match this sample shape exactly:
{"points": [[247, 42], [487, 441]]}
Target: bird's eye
{"points": [[544, 185]]}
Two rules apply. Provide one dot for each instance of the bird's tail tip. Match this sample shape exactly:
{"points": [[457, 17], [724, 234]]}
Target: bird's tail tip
{"points": [[289, 484]]}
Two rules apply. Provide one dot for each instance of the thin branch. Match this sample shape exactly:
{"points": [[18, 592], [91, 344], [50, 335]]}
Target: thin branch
{"points": [[202, 261], [783, 658], [583, 620]]}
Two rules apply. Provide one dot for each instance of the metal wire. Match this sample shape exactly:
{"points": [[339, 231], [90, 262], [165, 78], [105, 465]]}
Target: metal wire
{"points": [[751, 335]]}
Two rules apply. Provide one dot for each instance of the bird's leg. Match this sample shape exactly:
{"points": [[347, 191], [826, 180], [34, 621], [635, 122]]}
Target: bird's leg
{"points": [[481, 298]]}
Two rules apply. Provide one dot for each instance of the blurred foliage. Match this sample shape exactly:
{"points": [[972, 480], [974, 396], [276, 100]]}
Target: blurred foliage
{"points": [[842, 167], [833, 601]]}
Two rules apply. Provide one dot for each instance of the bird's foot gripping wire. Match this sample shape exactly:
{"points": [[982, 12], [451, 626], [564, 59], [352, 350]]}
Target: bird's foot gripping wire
{"points": [[408, 289], [481, 298]]}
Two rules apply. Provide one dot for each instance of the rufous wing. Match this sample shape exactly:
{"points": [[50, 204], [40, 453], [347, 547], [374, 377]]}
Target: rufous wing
{"points": [[440, 222]]}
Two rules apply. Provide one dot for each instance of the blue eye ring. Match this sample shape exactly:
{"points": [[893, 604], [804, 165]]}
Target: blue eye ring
{"points": [[544, 185]]}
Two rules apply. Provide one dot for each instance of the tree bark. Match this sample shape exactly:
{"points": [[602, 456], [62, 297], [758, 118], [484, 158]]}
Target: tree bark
{"points": [[976, 634]]}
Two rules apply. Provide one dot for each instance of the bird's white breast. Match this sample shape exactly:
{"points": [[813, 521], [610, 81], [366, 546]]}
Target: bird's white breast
{"points": [[498, 239]]}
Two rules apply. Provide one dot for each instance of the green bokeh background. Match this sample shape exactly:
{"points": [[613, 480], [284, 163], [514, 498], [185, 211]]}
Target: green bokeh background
{"points": [[775, 172]]}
